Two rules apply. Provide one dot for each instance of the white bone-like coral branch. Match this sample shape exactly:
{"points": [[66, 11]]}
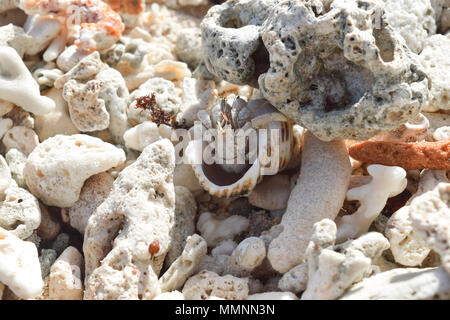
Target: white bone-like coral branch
{"points": [[386, 182]]}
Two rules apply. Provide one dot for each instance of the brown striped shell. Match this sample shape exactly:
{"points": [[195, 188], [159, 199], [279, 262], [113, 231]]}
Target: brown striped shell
{"points": [[227, 180]]}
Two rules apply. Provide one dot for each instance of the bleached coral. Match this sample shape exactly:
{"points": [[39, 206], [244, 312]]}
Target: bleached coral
{"points": [[386, 182]]}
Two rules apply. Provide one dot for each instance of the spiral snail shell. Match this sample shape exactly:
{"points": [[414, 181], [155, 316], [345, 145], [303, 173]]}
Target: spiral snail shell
{"points": [[255, 131]]}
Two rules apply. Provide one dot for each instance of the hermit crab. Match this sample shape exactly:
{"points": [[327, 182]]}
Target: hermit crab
{"points": [[235, 146]]}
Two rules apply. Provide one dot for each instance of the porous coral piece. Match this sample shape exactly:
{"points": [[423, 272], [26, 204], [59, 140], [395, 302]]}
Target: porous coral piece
{"points": [[18, 86], [19, 212], [57, 121], [337, 69], [87, 112], [165, 94], [68, 161], [407, 246], [332, 269], [409, 156], [185, 213], [437, 66], [413, 20], [86, 69], [115, 96], [128, 55], [319, 193], [215, 230], [207, 284], [15, 37], [430, 214], [231, 39], [247, 256], [19, 266], [386, 182], [95, 190], [141, 205], [21, 138], [65, 276], [185, 265], [403, 284]]}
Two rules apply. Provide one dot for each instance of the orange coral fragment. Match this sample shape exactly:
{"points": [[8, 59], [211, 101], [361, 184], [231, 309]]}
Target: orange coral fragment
{"points": [[127, 6], [410, 156]]}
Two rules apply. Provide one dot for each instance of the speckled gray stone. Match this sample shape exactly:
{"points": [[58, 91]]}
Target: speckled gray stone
{"points": [[231, 39], [60, 243], [338, 70], [46, 259]]}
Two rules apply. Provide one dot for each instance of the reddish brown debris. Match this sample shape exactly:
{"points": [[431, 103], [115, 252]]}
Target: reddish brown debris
{"points": [[157, 115], [410, 156]]}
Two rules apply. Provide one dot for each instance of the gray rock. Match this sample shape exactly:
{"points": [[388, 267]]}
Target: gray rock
{"points": [[231, 39], [338, 70], [46, 259]]}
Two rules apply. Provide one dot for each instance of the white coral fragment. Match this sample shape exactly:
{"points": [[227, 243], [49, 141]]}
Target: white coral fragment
{"points": [[65, 276], [128, 235], [430, 214], [19, 266], [333, 268], [185, 265], [386, 182], [206, 285], [407, 246], [67, 161], [18, 86]]}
